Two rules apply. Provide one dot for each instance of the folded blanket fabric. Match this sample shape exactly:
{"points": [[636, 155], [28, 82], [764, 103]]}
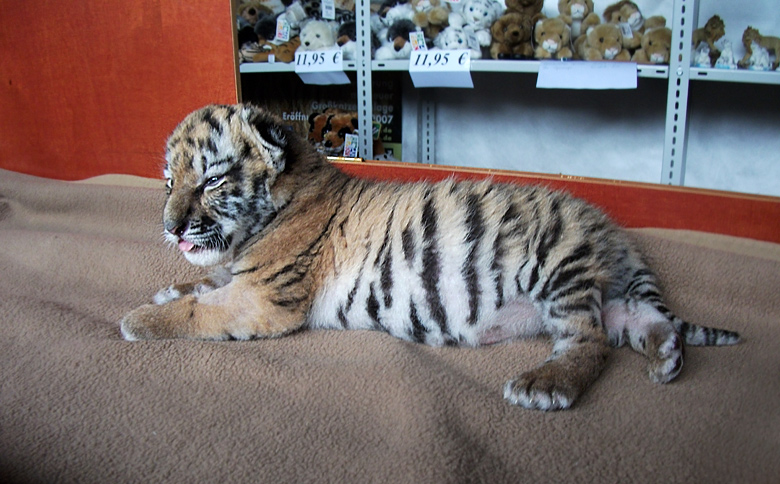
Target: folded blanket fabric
{"points": [[79, 404]]}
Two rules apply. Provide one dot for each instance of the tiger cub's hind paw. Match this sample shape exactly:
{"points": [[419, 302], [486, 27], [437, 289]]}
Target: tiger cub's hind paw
{"points": [[664, 350]]}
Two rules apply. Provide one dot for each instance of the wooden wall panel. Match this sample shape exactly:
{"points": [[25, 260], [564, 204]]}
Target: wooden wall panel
{"points": [[90, 87], [628, 203]]}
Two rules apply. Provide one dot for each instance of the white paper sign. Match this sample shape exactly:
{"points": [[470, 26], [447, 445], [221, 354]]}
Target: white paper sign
{"points": [[586, 75], [441, 68], [320, 67]]}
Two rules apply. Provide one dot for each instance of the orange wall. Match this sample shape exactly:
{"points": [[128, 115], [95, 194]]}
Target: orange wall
{"points": [[90, 87], [628, 203]]}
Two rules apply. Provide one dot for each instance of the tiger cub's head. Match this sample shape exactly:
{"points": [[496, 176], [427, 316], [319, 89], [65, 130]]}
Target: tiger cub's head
{"points": [[221, 162]]}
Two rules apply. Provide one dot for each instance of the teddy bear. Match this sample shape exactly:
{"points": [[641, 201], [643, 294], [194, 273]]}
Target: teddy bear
{"points": [[317, 35], [578, 15], [455, 38], [512, 34], [656, 47], [751, 37], [602, 42], [712, 31], [335, 130], [392, 11], [292, 16], [627, 13], [284, 52], [479, 16], [395, 41], [250, 11], [529, 8], [553, 39], [432, 16]]}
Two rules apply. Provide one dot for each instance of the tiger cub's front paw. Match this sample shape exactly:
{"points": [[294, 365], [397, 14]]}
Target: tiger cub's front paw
{"points": [[168, 294], [145, 322]]}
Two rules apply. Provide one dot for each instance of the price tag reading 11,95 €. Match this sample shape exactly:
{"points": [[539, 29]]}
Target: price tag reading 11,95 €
{"points": [[441, 68], [320, 67]]}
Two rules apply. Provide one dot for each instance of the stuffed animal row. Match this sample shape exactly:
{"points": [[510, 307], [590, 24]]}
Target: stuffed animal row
{"points": [[498, 29], [519, 29], [758, 48], [281, 27]]}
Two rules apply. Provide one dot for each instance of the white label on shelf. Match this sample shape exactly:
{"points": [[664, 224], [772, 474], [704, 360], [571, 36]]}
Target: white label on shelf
{"points": [[586, 75], [441, 68], [350, 146], [320, 67], [329, 9]]}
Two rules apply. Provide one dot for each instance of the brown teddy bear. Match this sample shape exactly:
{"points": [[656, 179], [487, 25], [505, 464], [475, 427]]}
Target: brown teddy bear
{"points": [[512, 37], [628, 13], [529, 8], [712, 31], [317, 122], [772, 44], [432, 16], [656, 47], [282, 52], [578, 15], [602, 42], [335, 130], [553, 39]]}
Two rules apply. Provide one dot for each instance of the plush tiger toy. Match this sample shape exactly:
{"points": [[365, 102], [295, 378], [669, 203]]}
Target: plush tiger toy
{"points": [[300, 244]]}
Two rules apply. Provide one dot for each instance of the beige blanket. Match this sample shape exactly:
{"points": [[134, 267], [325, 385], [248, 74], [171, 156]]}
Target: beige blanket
{"points": [[79, 404]]}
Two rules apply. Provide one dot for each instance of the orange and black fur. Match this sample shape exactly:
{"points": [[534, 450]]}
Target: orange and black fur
{"points": [[297, 244]]}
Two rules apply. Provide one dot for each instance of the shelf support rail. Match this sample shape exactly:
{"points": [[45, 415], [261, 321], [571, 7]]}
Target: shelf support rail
{"points": [[676, 135], [364, 95], [426, 131]]}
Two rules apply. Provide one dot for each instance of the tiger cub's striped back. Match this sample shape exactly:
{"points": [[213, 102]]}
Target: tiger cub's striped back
{"points": [[454, 262]]}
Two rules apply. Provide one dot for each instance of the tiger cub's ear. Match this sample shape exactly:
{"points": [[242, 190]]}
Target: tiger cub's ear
{"points": [[269, 133]]}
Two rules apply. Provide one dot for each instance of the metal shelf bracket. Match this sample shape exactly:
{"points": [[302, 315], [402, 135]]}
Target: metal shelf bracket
{"points": [[676, 135]]}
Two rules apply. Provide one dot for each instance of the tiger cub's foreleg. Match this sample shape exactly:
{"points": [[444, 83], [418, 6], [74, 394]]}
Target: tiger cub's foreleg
{"points": [[238, 310], [579, 353], [215, 280]]}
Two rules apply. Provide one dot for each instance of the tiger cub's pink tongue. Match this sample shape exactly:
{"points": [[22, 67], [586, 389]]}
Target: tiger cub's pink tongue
{"points": [[185, 246]]}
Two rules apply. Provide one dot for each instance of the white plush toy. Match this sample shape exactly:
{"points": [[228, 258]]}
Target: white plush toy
{"points": [[454, 38], [478, 15], [759, 59], [726, 59], [701, 56], [317, 35]]}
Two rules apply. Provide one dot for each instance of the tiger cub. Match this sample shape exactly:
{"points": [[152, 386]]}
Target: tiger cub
{"points": [[300, 244]]}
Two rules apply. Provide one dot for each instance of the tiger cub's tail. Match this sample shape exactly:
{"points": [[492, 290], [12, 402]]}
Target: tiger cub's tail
{"points": [[696, 335]]}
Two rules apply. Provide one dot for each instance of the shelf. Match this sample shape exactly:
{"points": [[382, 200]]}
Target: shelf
{"points": [[264, 67], [738, 75], [480, 65], [510, 66]]}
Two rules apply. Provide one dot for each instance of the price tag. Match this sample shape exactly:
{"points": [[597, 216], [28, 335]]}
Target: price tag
{"points": [[282, 30], [417, 39], [441, 68], [329, 9], [351, 146], [625, 29], [320, 67]]}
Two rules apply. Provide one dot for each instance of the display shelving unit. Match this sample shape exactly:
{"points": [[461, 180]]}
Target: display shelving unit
{"points": [[678, 74]]}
